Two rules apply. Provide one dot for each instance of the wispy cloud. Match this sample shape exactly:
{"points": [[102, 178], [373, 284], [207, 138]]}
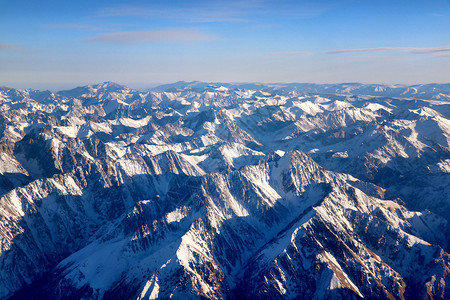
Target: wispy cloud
{"points": [[11, 47], [428, 50], [153, 36], [359, 50], [191, 15], [70, 26], [220, 10], [412, 50], [292, 53]]}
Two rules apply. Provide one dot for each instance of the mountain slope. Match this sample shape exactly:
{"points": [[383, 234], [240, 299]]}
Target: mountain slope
{"points": [[220, 191]]}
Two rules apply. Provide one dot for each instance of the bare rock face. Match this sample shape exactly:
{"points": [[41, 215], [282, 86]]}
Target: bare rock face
{"points": [[221, 192]]}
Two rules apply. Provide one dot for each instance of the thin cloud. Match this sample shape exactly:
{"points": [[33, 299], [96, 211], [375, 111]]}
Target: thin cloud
{"points": [[219, 11], [70, 26], [11, 47], [153, 36], [360, 50], [428, 50], [292, 53], [191, 15], [412, 50]]}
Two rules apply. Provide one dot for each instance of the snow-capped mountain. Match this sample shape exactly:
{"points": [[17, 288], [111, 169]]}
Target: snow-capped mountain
{"points": [[422, 91], [225, 191]]}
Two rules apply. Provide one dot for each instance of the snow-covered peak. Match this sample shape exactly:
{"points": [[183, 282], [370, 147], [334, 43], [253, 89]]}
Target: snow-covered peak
{"points": [[222, 190]]}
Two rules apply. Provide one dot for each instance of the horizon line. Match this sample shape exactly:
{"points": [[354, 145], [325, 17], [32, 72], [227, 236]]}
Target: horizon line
{"points": [[152, 85]]}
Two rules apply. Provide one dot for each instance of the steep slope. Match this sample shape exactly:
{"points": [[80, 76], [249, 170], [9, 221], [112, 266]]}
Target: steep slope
{"points": [[244, 223], [225, 191]]}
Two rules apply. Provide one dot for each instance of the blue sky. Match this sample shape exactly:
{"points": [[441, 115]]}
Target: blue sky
{"points": [[62, 44]]}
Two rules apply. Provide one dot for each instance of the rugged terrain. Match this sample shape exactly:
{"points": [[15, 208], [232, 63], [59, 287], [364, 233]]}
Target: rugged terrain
{"points": [[236, 191]]}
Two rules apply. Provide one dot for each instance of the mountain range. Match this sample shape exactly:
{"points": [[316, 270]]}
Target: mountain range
{"points": [[198, 190]]}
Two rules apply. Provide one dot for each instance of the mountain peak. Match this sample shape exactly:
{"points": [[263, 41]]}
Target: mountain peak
{"points": [[110, 85], [219, 190]]}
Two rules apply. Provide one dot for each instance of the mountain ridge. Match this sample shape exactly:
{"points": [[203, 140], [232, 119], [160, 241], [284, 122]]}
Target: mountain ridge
{"points": [[110, 192]]}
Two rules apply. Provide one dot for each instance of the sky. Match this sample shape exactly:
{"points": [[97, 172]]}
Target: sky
{"points": [[55, 45]]}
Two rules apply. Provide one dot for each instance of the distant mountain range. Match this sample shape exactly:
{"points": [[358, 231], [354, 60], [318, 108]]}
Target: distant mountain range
{"points": [[198, 190], [421, 91]]}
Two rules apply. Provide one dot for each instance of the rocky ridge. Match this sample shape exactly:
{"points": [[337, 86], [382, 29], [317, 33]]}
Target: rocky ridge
{"points": [[224, 191]]}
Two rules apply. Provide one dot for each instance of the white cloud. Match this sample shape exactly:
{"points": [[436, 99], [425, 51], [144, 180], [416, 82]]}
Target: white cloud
{"points": [[153, 36], [413, 50]]}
